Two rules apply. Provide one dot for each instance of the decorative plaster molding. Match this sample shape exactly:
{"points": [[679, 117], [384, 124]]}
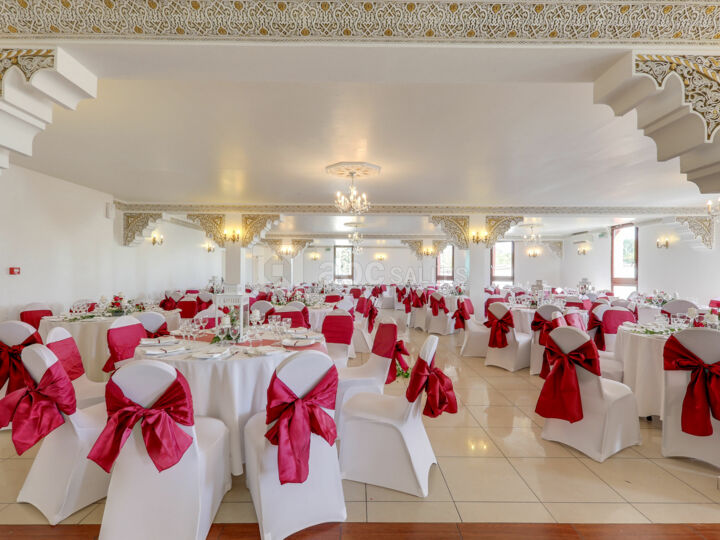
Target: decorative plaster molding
{"points": [[556, 22], [29, 61], [254, 227], [556, 247], [415, 246], [135, 226], [457, 228], [421, 210], [278, 245], [497, 226], [702, 227], [343, 236], [439, 245], [298, 244], [212, 224], [701, 82]]}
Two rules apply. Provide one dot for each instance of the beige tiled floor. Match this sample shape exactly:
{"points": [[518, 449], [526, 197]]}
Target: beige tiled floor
{"points": [[493, 465]]}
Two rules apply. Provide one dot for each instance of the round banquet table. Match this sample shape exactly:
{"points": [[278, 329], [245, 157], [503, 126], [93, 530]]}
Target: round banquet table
{"points": [[231, 389], [317, 316], [642, 357], [91, 338], [523, 316]]}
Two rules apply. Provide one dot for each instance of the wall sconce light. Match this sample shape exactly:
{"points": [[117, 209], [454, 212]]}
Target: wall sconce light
{"points": [[582, 250], [287, 250], [478, 237], [427, 252], [157, 239], [663, 243], [233, 237], [533, 252], [380, 257], [210, 248], [315, 256]]}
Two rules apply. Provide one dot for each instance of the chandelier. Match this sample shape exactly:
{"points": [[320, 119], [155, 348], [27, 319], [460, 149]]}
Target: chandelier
{"points": [[533, 241], [355, 239], [352, 202]]}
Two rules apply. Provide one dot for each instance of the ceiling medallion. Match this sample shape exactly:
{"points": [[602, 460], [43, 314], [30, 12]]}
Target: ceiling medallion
{"points": [[352, 203]]}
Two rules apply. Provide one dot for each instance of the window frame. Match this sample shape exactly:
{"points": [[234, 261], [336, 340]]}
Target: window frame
{"points": [[337, 276], [503, 279], [622, 282], [451, 277]]}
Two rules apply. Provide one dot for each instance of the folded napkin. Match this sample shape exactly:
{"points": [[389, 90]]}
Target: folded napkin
{"points": [[165, 340], [298, 342], [212, 352], [173, 349]]}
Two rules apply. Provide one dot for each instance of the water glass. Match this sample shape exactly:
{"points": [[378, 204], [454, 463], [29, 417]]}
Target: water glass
{"points": [[235, 333]]}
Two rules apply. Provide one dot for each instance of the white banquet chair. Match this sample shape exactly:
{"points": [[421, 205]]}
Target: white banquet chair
{"points": [[610, 417], [417, 317], [384, 440], [296, 304], [346, 304], [210, 316], [13, 333], [705, 344], [476, 339], [263, 306], [678, 306], [516, 354], [283, 509], [151, 320], [338, 327], [63, 345], [442, 323], [33, 313], [62, 480], [547, 312], [181, 501]]}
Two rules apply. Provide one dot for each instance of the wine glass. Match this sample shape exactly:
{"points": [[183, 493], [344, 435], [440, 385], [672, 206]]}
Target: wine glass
{"points": [[235, 333]]}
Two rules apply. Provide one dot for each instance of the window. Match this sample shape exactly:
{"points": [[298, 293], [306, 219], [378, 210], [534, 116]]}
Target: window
{"points": [[343, 268], [624, 260], [502, 263], [446, 265]]}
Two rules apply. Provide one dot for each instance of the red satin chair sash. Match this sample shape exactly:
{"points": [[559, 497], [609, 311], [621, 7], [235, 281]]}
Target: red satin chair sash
{"points": [[438, 387], [295, 420], [122, 343], [202, 305], [612, 320], [436, 304], [462, 314], [35, 410], [560, 395], [330, 298], [540, 324], [162, 330], [574, 319], [372, 315], [168, 304], [165, 441], [400, 294], [306, 316], [69, 356], [12, 370], [34, 316], [398, 359], [338, 329], [499, 329], [296, 318], [491, 301], [596, 323], [702, 397], [376, 291]]}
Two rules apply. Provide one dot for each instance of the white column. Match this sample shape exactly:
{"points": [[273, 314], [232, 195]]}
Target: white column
{"points": [[479, 267], [235, 266]]}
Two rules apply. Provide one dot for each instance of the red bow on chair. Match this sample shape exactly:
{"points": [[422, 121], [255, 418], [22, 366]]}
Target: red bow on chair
{"points": [[376, 291], [202, 305], [296, 419], [397, 358], [12, 370], [400, 293], [35, 409], [162, 330], [461, 315], [499, 329], [594, 322], [540, 324], [165, 441], [560, 395], [69, 356], [702, 397], [372, 315], [168, 304], [417, 300], [437, 386], [437, 304]]}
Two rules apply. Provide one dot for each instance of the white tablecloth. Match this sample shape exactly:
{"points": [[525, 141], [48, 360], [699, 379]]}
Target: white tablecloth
{"points": [[91, 338], [642, 356], [231, 389], [522, 318]]}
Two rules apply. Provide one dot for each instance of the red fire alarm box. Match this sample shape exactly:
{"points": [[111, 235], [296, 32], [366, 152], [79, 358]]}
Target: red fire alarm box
{"points": [[14, 270]]}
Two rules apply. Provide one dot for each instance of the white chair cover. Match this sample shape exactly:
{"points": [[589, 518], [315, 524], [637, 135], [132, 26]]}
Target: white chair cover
{"points": [[547, 312], [705, 344], [384, 440], [517, 353], [180, 502], [151, 320], [675, 307], [62, 480], [263, 306], [610, 418], [476, 339], [14, 333], [87, 392], [442, 323], [283, 509]]}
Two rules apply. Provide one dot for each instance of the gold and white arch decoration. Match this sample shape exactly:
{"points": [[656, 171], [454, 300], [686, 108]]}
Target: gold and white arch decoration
{"points": [[556, 22], [287, 249], [416, 246], [212, 224], [702, 228], [254, 227], [137, 226], [497, 226], [457, 229]]}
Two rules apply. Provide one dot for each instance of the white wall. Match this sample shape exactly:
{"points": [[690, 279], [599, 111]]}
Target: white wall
{"points": [[58, 234], [545, 266], [595, 265]]}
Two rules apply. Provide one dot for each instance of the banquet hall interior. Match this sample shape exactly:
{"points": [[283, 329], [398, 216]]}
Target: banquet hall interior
{"points": [[351, 269]]}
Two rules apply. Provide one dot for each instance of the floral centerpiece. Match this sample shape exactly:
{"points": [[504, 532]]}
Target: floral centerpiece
{"points": [[298, 296], [278, 299], [461, 289], [584, 286], [232, 318], [660, 298], [117, 305]]}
